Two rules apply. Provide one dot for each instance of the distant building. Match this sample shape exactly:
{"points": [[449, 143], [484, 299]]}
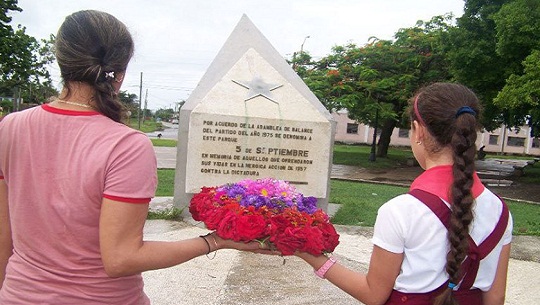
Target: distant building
{"points": [[502, 140]]}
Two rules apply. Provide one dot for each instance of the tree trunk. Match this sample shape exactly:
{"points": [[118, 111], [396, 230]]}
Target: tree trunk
{"points": [[384, 139]]}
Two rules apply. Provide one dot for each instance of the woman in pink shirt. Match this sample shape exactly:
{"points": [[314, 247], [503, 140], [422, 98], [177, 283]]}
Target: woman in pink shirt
{"points": [[75, 184], [428, 244]]}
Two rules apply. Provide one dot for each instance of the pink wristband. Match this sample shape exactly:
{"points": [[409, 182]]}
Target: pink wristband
{"points": [[324, 268]]}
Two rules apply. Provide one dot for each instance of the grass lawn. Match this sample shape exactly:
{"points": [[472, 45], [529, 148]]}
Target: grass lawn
{"points": [[359, 155], [360, 202], [164, 142], [165, 186], [532, 174], [146, 126], [526, 218]]}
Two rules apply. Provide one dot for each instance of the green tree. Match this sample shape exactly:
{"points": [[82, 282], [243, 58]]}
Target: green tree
{"points": [[518, 40], [130, 100], [520, 97], [375, 81], [36, 93], [23, 59], [165, 114], [6, 105], [470, 48], [5, 30], [318, 77], [301, 62]]}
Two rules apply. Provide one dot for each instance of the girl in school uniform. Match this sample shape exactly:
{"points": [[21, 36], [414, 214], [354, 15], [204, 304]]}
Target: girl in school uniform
{"points": [[448, 240]]}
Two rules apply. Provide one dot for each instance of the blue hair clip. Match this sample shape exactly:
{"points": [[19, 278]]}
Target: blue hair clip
{"points": [[465, 109], [451, 285]]}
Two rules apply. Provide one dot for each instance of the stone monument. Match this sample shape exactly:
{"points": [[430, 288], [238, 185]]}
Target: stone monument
{"points": [[251, 116]]}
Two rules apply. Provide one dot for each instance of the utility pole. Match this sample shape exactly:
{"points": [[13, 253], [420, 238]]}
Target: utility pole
{"points": [[296, 53], [145, 105], [140, 100], [302, 46], [19, 99]]}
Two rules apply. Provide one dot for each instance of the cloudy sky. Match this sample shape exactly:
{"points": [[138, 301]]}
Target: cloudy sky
{"points": [[176, 40]]}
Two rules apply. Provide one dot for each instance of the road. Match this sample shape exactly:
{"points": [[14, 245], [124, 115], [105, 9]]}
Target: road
{"points": [[170, 131]]}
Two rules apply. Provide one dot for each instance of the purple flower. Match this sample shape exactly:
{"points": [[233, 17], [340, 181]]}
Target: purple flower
{"points": [[307, 204], [254, 200], [274, 194], [234, 190]]}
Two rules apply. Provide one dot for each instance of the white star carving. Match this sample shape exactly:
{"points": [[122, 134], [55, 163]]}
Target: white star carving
{"points": [[258, 87]]}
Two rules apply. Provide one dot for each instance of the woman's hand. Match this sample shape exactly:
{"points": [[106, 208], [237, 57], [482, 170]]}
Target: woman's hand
{"points": [[217, 242]]}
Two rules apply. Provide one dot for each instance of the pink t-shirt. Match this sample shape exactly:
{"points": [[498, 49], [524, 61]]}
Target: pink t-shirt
{"points": [[58, 166]]}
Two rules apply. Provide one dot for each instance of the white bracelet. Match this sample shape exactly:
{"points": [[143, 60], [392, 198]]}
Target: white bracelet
{"points": [[324, 268]]}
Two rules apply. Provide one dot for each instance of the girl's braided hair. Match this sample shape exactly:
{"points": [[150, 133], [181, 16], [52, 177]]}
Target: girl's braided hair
{"points": [[440, 107]]}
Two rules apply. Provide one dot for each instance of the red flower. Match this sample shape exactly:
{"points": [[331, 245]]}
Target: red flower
{"points": [[213, 217], [227, 227], [330, 237], [287, 242], [297, 218], [251, 227], [278, 224], [286, 227], [313, 240], [332, 73], [201, 203], [320, 217]]}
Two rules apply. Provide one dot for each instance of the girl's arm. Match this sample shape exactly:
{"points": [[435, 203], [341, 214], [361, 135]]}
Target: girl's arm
{"points": [[371, 288], [497, 293]]}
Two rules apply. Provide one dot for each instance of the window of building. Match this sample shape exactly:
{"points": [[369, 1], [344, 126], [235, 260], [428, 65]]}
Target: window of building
{"points": [[516, 141], [536, 142], [493, 139], [403, 133], [352, 128]]}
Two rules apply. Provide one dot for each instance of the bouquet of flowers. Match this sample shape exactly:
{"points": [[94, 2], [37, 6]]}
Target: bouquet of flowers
{"points": [[266, 210]]}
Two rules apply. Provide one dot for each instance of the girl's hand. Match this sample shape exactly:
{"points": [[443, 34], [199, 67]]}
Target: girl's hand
{"points": [[253, 246]]}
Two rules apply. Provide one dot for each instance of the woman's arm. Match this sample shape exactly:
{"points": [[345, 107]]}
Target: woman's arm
{"points": [[124, 252], [6, 244], [371, 288], [497, 293]]}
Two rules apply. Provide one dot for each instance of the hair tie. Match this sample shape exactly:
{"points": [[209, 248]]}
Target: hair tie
{"points": [[465, 109], [451, 285], [109, 75], [415, 106]]}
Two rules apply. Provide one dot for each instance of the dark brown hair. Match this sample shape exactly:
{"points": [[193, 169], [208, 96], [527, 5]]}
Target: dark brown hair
{"points": [[88, 45], [439, 106]]}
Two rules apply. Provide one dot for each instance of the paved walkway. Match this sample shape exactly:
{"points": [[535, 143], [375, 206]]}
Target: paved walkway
{"points": [[243, 278], [238, 278]]}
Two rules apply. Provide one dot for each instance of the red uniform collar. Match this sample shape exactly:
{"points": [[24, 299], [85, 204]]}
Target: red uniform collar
{"points": [[438, 180]]}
